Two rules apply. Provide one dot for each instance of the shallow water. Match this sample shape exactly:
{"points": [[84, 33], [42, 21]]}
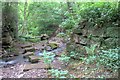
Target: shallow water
{"points": [[22, 60], [18, 59]]}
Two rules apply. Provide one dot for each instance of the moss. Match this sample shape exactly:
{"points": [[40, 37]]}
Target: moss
{"points": [[53, 45]]}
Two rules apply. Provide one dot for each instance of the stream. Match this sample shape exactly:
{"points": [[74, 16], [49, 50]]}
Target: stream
{"points": [[20, 59]]}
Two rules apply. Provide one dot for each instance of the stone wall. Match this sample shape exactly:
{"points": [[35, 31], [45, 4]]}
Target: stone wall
{"points": [[105, 37]]}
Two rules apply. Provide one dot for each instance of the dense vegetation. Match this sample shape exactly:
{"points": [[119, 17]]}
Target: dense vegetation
{"points": [[89, 30]]}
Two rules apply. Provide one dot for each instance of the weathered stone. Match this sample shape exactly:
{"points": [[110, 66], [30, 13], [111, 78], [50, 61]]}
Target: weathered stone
{"points": [[39, 65], [30, 49], [26, 45], [53, 45], [34, 59], [28, 54]]}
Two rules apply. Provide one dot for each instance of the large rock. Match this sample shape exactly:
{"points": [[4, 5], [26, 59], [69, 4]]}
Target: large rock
{"points": [[34, 59], [28, 54], [30, 49]]}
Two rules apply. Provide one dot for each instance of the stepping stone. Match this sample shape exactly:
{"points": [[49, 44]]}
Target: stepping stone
{"points": [[30, 49], [26, 45], [34, 59], [53, 45], [28, 54], [39, 65]]}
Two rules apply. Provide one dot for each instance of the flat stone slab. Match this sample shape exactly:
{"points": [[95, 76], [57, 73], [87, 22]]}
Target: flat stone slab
{"points": [[28, 54], [39, 65], [30, 49], [34, 59], [26, 45]]}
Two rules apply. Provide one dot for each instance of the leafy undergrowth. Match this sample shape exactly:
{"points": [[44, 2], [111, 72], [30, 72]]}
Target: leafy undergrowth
{"points": [[102, 65], [82, 70]]}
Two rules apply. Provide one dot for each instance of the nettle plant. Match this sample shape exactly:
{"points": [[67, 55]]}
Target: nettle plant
{"points": [[48, 57], [60, 73]]}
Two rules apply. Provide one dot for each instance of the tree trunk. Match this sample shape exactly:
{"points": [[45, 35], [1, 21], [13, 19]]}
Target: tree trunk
{"points": [[9, 25], [25, 19]]}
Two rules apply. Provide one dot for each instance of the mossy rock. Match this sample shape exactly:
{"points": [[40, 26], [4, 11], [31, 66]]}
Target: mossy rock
{"points": [[53, 45]]}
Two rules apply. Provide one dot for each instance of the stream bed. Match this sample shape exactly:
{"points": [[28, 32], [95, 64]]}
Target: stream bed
{"points": [[21, 59]]}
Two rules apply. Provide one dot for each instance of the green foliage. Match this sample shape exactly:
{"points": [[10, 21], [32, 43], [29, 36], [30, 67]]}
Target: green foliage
{"points": [[61, 34], [41, 17], [60, 73], [64, 58], [73, 54], [98, 13], [48, 57], [91, 50], [108, 58]]}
